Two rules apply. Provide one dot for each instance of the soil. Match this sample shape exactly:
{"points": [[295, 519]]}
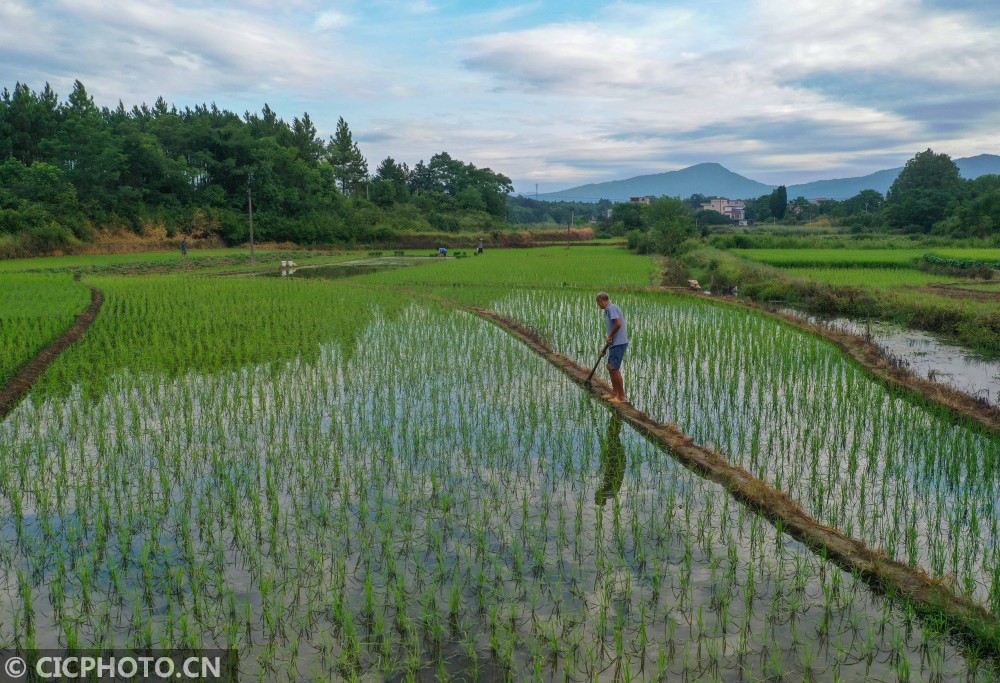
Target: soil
{"points": [[19, 386], [926, 594], [959, 293]]}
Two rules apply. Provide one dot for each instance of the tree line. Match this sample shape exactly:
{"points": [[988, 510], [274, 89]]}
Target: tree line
{"points": [[68, 168], [928, 196]]}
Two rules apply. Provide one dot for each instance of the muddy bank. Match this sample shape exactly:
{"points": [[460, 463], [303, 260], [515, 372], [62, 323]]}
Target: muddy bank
{"points": [[931, 597], [19, 386]]}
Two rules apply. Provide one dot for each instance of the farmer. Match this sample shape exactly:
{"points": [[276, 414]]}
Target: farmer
{"points": [[479, 247], [443, 251], [184, 247], [616, 342]]}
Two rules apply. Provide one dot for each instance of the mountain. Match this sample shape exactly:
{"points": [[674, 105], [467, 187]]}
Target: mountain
{"points": [[843, 188], [708, 179], [714, 179]]}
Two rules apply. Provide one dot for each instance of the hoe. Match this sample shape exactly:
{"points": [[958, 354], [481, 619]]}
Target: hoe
{"points": [[594, 369]]}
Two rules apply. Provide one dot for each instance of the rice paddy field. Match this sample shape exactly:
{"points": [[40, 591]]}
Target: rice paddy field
{"points": [[357, 479], [872, 278], [860, 258], [34, 311]]}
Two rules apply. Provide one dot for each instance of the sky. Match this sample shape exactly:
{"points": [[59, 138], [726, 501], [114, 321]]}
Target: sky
{"points": [[553, 93]]}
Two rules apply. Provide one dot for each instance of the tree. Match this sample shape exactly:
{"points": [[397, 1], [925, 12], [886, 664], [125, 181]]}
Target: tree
{"points": [[670, 224], [390, 183], [88, 150], [801, 207], [864, 202], [710, 217], [922, 192], [696, 200], [349, 165], [778, 202], [26, 120], [758, 210], [628, 216], [979, 214]]}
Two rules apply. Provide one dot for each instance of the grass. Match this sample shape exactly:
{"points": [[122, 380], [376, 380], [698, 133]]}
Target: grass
{"points": [[166, 261], [859, 289], [858, 258], [872, 278], [34, 311], [588, 267]]}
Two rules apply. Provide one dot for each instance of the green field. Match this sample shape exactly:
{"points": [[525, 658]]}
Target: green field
{"points": [[872, 278], [354, 479], [858, 258], [34, 311]]}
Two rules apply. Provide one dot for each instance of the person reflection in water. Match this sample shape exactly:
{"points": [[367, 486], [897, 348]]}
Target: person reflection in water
{"points": [[612, 461]]}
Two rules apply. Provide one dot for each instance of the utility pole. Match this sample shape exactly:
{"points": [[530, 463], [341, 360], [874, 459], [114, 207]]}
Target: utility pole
{"points": [[250, 210], [536, 192]]}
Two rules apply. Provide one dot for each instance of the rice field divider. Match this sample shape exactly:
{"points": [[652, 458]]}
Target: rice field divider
{"points": [[19, 385], [930, 597], [868, 355]]}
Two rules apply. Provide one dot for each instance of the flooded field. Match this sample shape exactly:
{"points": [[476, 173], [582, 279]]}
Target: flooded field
{"points": [[925, 354], [406, 492]]}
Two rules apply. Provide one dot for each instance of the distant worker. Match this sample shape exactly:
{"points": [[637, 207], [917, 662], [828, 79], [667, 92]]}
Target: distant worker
{"points": [[184, 247], [616, 342], [443, 251], [479, 247]]}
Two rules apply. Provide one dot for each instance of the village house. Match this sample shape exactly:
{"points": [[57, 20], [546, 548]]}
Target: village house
{"points": [[734, 209]]}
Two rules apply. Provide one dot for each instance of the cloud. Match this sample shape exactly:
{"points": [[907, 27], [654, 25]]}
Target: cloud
{"points": [[663, 85], [332, 20], [540, 92], [188, 51]]}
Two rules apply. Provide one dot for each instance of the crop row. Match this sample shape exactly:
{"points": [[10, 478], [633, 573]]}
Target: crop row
{"points": [[892, 471], [418, 495], [34, 311]]}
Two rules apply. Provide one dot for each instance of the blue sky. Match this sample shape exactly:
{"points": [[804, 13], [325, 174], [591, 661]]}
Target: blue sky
{"points": [[554, 93]]}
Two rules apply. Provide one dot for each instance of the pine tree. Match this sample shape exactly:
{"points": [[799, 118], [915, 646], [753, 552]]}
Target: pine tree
{"points": [[349, 166]]}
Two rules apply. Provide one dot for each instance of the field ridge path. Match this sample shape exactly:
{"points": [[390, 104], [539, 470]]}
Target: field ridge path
{"points": [[971, 620], [19, 385]]}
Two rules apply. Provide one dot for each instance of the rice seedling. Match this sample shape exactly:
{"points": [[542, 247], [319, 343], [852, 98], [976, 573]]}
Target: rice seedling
{"points": [[34, 311], [891, 470], [409, 493]]}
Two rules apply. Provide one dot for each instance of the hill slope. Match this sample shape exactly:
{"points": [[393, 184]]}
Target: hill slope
{"points": [[708, 179], [714, 179]]}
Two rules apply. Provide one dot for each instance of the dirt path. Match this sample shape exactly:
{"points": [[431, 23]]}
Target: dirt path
{"points": [[18, 387], [958, 292], [931, 597]]}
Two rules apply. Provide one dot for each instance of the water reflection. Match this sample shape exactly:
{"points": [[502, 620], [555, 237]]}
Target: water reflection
{"points": [[924, 354], [612, 461], [348, 268]]}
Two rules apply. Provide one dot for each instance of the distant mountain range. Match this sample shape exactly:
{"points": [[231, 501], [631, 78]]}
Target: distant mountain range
{"points": [[716, 180]]}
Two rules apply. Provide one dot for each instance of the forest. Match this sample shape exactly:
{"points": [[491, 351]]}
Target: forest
{"points": [[69, 169]]}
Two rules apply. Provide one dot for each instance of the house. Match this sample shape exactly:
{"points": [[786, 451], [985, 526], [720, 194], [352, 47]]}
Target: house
{"points": [[733, 209], [641, 200]]}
